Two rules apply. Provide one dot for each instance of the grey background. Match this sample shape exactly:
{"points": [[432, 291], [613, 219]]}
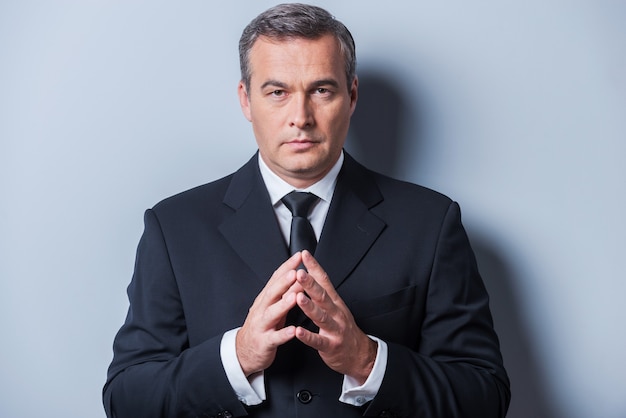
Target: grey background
{"points": [[514, 109]]}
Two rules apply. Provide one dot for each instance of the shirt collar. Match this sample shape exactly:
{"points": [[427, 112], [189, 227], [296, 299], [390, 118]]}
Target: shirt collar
{"points": [[278, 187]]}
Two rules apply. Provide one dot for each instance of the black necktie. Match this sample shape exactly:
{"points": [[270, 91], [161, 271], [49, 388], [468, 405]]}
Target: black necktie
{"points": [[302, 236]]}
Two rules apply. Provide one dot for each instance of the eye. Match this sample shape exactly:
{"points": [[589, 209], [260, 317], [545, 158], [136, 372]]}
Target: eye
{"points": [[322, 90], [277, 93]]}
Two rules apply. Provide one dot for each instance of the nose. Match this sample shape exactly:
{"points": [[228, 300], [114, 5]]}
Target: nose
{"points": [[301, 116]]}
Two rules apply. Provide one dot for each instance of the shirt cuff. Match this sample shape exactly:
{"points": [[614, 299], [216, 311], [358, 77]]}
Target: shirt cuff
{"points": [[352, 393], [250, 391]]}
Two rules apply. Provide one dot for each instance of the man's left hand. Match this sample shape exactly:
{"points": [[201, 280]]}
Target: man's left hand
{"points": [[341, 344]]}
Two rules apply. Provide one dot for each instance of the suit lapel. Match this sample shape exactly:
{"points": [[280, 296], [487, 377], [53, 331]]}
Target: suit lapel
{"points": [[349, 231], [350, 228], [253, 230]]}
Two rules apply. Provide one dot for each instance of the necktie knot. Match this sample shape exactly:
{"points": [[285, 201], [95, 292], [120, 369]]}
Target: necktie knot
{"points": [[299, 203]]}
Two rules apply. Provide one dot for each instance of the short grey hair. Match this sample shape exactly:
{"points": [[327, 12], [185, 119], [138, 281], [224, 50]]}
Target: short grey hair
{"points": [[295, 20]]}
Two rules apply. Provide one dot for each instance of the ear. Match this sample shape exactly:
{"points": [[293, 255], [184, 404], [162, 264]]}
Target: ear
{"points": [[354, 94], [244, 100]]}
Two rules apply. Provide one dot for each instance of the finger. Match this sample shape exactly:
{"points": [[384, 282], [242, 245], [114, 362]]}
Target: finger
{"points": [[293, 290], [272, 339], [282, 336], [320, 316], [275, 313], [313, 289], [313, 267], [321, 277], [284, 269], [291, 263], [273, 292], [280, 281], [256, 352], [312, 339]]}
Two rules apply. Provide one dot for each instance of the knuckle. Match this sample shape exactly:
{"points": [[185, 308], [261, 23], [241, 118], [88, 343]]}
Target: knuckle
{"points": [[323, 316]]}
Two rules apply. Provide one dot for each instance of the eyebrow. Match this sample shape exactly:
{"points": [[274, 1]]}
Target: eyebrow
{"points": [[317, 83], [326, 82], [273, 83]]}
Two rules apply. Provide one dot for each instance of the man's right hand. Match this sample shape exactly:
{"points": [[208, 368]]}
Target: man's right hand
{"points": [[264, 328]]}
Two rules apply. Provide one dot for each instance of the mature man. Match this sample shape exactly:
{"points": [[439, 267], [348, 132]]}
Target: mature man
{"points": [[360, 297]]}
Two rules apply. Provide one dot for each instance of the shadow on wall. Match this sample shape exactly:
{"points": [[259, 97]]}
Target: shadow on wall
{"points": [[529, 397], [376, 126], [376, 140]]}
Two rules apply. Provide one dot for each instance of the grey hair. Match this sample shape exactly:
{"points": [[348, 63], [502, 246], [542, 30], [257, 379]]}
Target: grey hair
{"points": [[295, 20]]}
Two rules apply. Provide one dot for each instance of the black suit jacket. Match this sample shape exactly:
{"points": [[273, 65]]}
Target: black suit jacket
{"points": [[397, 254]]}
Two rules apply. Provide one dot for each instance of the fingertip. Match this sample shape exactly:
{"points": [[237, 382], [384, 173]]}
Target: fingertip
{"points": [[309, 261], [301, 275], [300, 332], [302, 299], [284, 335]]}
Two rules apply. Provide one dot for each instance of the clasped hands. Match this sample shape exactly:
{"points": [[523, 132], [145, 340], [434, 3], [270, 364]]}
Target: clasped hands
{"points": [[341, 344]]}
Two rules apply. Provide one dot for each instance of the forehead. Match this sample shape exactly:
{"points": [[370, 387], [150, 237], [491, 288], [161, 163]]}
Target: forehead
{"points": [[296, 58]]}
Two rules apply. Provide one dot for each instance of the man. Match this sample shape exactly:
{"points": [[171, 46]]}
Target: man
{"points": [[385, 315]]}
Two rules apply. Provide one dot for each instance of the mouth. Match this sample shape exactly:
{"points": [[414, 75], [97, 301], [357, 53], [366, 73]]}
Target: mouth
{"points": [[300, 141], [301, 144]]}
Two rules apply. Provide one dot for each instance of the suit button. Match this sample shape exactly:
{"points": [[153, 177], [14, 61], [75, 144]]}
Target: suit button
{"points": [[304, 396], [225, 414]]}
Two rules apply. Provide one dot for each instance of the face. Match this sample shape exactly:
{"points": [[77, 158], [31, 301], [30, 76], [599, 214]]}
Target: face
{"points": [[299, 105]]}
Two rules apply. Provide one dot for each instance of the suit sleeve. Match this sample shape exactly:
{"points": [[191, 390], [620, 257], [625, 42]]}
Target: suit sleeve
{"points": [[154, 372], [457, 368]]}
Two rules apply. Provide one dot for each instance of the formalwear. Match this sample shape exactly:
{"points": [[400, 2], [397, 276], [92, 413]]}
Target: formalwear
{"points": [[397, 254]]}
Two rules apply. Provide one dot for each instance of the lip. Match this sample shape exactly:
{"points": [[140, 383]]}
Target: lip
{"points": [[301, 144], [300, 141]]}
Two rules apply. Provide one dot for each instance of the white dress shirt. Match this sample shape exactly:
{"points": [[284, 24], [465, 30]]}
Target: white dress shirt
{"points": [[251, 391]]}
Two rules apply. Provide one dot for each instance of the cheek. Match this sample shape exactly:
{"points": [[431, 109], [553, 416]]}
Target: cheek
{"points": [[339, 121], [266, 131]]}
